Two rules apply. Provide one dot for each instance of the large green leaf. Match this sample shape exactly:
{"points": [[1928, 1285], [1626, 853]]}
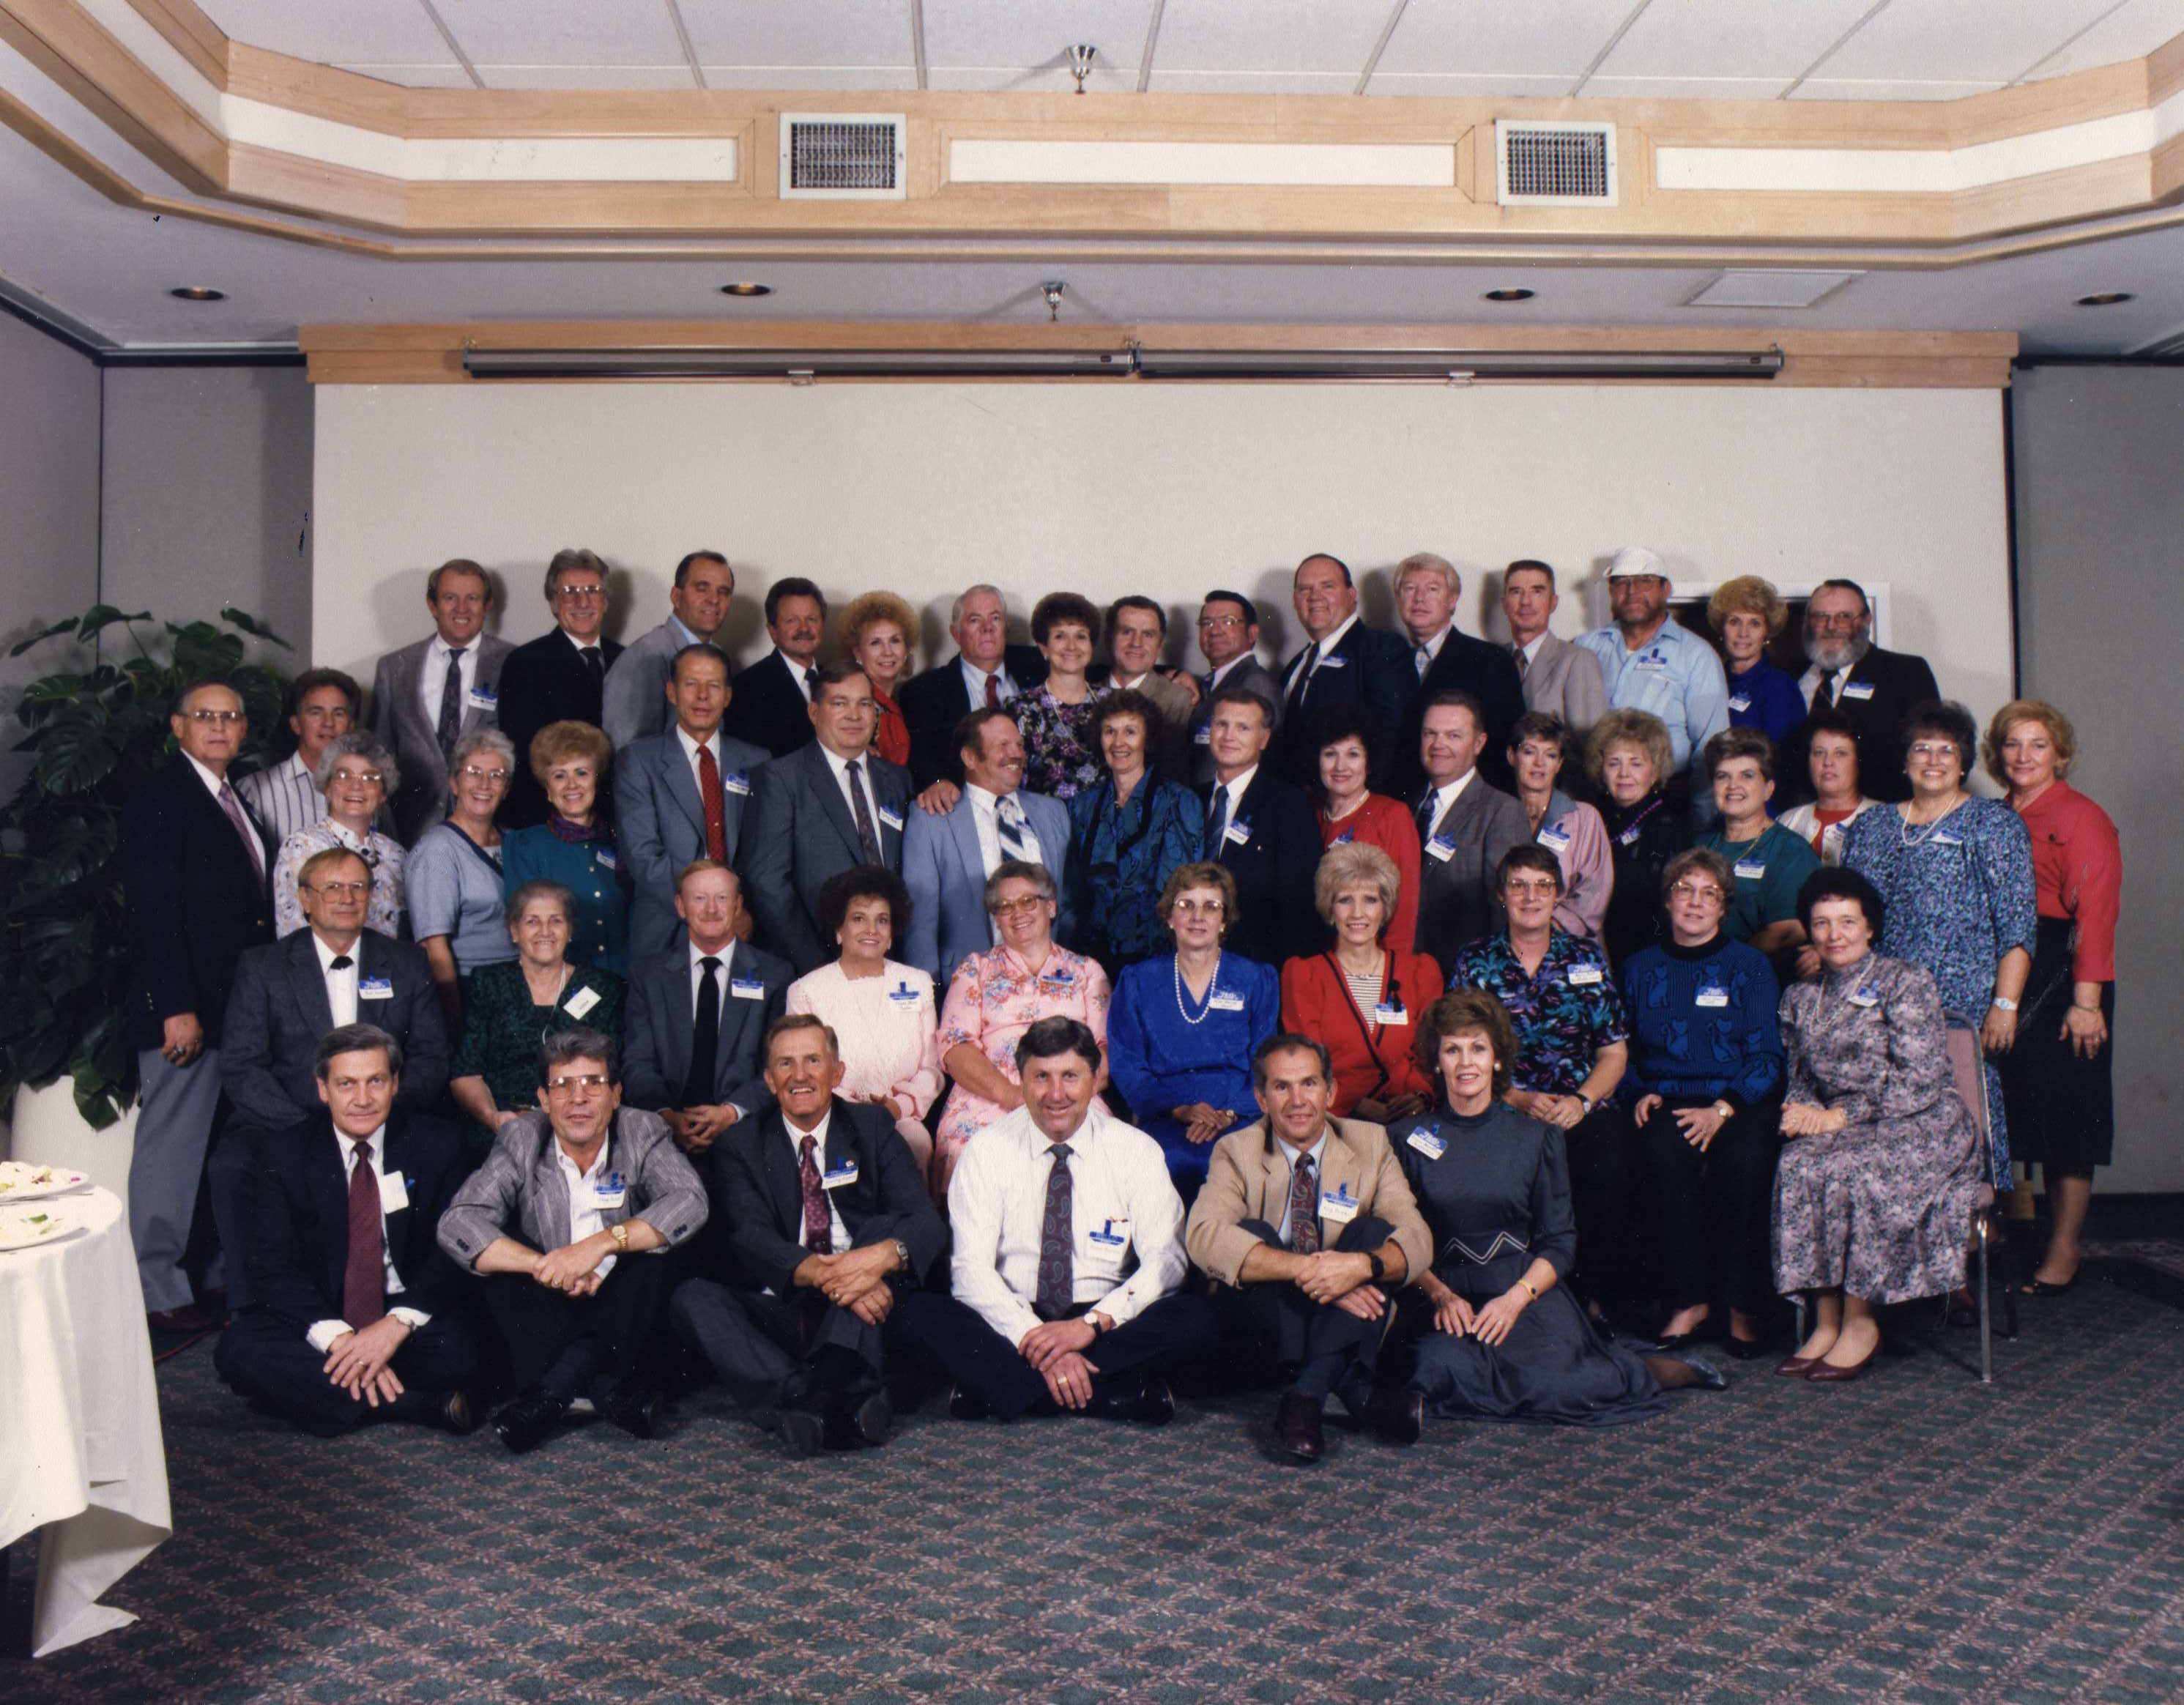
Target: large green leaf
{"points": [[59, 628], [75, 749], [251, 625], [100, 617]]}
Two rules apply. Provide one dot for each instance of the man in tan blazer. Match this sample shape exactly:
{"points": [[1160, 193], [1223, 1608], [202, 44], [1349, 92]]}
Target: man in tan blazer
{"points": [[1308, 1230]]}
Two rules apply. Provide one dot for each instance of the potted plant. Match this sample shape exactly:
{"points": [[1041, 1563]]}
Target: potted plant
{"points": [[65, 1057]]}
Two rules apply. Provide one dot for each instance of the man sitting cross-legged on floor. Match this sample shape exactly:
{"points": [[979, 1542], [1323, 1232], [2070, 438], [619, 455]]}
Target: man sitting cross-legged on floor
{"points": [[825, 1214], [1069, 1251]]}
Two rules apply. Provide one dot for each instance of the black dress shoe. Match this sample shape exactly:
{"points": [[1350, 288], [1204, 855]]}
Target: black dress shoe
{"points": [[1298, 1435], [873, 1419], [523, 1422], [966, 1405], [452, 1412], [1151, 1405], [635, 1409], [189, 1318], [802, 1433], [1398, 1416], [1744, 1349]]}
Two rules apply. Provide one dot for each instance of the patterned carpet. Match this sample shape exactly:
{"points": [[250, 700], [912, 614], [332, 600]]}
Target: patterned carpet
{"points": [[1912, 1537]]}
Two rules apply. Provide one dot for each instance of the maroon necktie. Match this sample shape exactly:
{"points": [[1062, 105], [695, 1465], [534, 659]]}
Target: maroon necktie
{"points": [[993, 692], [251, 844], [717, 809], [818, 1218], [1304, 1208], [364, 1280]]}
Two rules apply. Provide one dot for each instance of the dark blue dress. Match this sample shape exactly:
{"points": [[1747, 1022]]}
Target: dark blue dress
{"points": [[1120, 859], [1767, 698], [1166, 1050]]}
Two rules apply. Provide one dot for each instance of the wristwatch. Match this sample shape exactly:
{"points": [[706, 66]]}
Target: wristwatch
{"points": [[2002, 1003], [619, 1234], [1587, 1103], [1724, 1110], [901, 1256], [1379, 1268]]}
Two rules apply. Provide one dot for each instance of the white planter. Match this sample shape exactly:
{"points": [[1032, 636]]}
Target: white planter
{"points": [[46, 1131]]}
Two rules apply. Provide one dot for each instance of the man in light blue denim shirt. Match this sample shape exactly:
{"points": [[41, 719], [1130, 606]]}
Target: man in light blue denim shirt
{"points": [[1654, 664]]}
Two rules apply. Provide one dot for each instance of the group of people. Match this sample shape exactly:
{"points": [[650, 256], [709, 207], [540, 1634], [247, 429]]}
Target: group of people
{"points": [[1384, 1025]]}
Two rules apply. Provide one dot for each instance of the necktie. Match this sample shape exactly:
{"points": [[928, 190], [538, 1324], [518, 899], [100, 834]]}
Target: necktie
{"points": [[364, 1279], [342, 961], [451, 705], [1057, 1241], [1309, 662], [1304, 1208], [1835, 685], [869, 838], [594, 665], [1523, 661], [1425, 815], [811, 685], [1423, 659], [704, 1036], [251, 844], [716, 806], [818, 1218], [994, 692], [1216, 826], [1013, 833]]}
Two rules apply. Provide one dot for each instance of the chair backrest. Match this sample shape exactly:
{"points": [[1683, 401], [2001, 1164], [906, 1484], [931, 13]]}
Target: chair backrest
{"points": [[1968, 1062]]}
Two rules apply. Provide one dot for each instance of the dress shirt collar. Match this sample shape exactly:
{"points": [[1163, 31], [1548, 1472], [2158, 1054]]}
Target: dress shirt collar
{"points": [[1078, 1139], [327, 956], [1448, 794], [684, 634], [975, 678], [1318, 1151], [726, 956], [295, 765], [840, 765], [796, 1137], [378, 1141], [711, 742], [594, 644], [1531, 648], [1227, 669], [1115, 680], [442, 652], [981, 800], [213, 783], [1432, 647], [1237, 788], [1335, 639], [591, 1173]]}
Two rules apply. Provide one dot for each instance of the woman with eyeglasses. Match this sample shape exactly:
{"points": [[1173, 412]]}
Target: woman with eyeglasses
{"points": [[458, 903], [356, 773], [1126, 836], [575, 846]]}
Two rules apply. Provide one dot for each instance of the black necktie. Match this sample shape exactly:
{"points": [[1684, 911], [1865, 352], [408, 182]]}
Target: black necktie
{"points": [[451, 705], [811, 685], [868, 839], [1305, 664], [1425, 814], [342, 962], [704, 1036], [594, 665]]}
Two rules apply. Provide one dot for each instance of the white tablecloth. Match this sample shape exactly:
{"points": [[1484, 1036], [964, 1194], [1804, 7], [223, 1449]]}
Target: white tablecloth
{"points": [[81, 1452]]}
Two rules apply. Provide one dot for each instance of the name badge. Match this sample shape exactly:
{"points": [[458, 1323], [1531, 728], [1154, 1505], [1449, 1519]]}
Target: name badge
{"points": [[1338, 1206], [1427, 1142], [1108, 1237], [892, 820], [1582, 975], [484, 698], [394, 1192], [1388, 1013], [1867, 996], [580, 1002], [1857, 689], [605, 858], [1344, 838], [904, 993], [1440, 849], [846, 1173], [374, 989], [1554, 840], [1750, 869], [1203, 736], [1741, 703], [1239, 832], [1652, 660], [610, 1192], [1061, 977], [1219, 1001], [746, 989], [736, 782], [1628, 837], [1335, 662], [1941, 839], [1712, 997]]}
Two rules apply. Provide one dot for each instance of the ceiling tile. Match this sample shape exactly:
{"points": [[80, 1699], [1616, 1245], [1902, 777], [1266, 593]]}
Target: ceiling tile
{"points": [[1729, 38], [1953, 41], [828, 77], [675, 77], [1684, 88], [414, 76], [562, 32], [1253, 82], [797, 32], [1327, 37], [1007, 32], [1492, 38], [1840, 89], [1049, 79], [334, 32], [2132, 32], [1459, 86]]}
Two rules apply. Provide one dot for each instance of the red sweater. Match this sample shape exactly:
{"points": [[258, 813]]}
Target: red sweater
{"points": [[1383, 822], [2077, 868], [1316, 1002]]}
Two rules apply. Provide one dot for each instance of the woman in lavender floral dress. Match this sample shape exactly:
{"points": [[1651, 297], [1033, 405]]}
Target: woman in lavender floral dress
{"points": [[1062, 749]]}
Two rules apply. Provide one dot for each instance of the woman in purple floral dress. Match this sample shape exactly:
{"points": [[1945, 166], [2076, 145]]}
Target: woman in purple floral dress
{"points": [[1062, 747]]}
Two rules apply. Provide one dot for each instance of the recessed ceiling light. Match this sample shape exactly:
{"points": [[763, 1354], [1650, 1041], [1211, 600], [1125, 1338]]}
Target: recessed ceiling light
{"points": [[1511, 292], [2105, 298], [746, 290], [197, 292]]}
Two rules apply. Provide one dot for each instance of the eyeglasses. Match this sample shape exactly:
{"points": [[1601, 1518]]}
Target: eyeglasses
{"points": [[1926, 749], [590, 1082], [470, 773], [1529, 888], [337, 889], [1016, 908], [221, 718], [581, 592], [1694, 891], [1830, 624], [367, 779], [1220, 621], [1208, 908]]}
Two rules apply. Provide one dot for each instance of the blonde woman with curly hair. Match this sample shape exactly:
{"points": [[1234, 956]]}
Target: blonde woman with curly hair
{"points": [[879, 632], [1747, 613]]}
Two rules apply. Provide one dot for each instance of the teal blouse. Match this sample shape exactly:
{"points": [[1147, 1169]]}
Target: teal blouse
{"points": [[598, 934]]}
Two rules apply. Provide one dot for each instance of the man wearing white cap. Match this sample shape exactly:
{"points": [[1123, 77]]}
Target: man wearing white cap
{"points": [[1654, 664]]}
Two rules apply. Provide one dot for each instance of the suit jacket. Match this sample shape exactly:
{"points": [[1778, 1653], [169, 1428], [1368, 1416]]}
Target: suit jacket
{"points": [[946, 874], [761, 1198], [298, 1251], [1456, 902], [633, 702], [933, 703], [1248, 1177], [279, 1014], [1274, 868], [1898, 680], [1253, 676], [659, 826], [521, 1192], [1487, 672], [658, 1017], [194, 902], [770, 706], [398, 718], [802, 832], [1369, 666], [1565, 680], [544, 680]]}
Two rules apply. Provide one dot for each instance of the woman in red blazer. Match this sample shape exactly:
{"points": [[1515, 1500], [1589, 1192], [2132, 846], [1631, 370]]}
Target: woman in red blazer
{"points": [[1361, 999], [1342, 738]]}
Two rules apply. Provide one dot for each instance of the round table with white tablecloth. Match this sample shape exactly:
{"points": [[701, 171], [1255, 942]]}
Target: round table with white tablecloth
{"points": [[82, 1457]]}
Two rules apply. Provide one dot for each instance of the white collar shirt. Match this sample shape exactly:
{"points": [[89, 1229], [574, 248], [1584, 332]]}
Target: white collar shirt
{"points": [[213, 783], [1425, 651], [342, 983], [984, 817], [1531, 647], [836, 1229], [711, 743], [1319, 650], [432, 679], [1817, 681], [1317, 1152], [1235, 789], [1223, 672], [586, 1217], [975, 679], [321, 1334], [726, 956], [1445, 797], [840, 766]]}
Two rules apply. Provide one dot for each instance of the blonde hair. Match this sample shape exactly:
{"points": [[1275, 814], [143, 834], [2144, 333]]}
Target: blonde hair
{"points": [[2060, 734], [1648, 733], [1747, 595], [1350, 864], [559, 742]]}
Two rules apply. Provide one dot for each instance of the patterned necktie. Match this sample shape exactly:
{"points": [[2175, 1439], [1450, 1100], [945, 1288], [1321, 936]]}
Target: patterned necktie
{"points": [[994, 692], [818, 1218], [451, 706], [869, 838], [1305, 664], [251, 844], [1057, 1241], [1013, 831], [1523, 661], [1425, 815], [364, 1279], [1424, 662], [594, 665], [716, 806], [1216, 826], [1304, 1208], [704, 1036]]}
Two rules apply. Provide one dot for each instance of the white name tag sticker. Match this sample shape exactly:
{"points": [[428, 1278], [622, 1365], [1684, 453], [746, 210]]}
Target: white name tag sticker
{"points": [[1740, 705], [1712, 997], [1108, 1237], [374, 989], [1222, 1002], [394, 1192], [1203, 736], [1946, 840], [1554, 840], [605, 859], [610, 1195], [1580, 976], [735, 782], [1750, 869], [580, 1002], [1867, 996], [892, 820], [1428, 1143], [1335, 662], [846, 1173], [1387, 1014], [904, 994], [1338, 1206], [746, 989], [1237, 835], [484, 698], [1440, 849], [1858, 689]]}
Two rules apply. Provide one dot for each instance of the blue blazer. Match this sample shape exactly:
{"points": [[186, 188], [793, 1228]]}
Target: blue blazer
{"points": [[658, 1019], [1369, 666], [193, 902], [1489, 673], [934, 702], [946, 875], [769, 707], [279, 1013], [802, 832], [1274, 868], [659, 826]]}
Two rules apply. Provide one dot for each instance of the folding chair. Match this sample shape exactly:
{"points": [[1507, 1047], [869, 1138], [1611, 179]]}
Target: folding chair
{"points": [[1968, 1062]]}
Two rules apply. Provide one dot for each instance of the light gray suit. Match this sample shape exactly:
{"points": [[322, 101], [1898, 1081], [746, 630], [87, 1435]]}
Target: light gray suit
{"points": [[659, 826], [1456, 902], [398, 717], [946, 874], [634, 697], [803, 832], [1565, 681]]}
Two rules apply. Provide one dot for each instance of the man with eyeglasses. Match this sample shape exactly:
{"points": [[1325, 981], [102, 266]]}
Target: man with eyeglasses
{"points": [[568, 1223], [427, 696], [197, 886], [288, 998], [1228, 640], [322, 706], [558, 678], [1871, 687]]}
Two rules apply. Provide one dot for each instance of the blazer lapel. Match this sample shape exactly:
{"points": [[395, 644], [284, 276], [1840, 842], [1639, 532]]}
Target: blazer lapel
{"points": [[819, 776], [674, 973], [307, 982], [326, 1177], [736, 1015], [776, 1164], [683, 782]]}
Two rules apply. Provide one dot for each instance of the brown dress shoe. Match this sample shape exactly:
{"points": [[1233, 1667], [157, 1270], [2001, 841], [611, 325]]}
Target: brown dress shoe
{"points": [[187, 1318], [1797, 1367], [1299, 1436]]}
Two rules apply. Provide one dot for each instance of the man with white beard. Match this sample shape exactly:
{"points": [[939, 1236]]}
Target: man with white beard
{"points": [[1871, 687]]}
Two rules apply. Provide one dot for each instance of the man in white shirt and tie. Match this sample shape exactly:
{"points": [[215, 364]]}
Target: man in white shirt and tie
{"points": [[428, 695], [1067, 1255]]}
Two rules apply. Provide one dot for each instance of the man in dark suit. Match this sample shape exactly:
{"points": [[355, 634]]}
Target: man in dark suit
{"points": [[1873, 688], [632, 703], [356, 1315], [772, 702], [681, 796], [1443, 660], [195, 873], [1264, 831], [1465, 825], [1343, 662], [828, 807], [1228, 640], [557, 677], [286, 996], [824, 1214], [986, 672], [427, 696]]}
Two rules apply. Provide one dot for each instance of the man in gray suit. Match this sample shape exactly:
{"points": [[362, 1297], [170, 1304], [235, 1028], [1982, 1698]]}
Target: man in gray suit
{"points": [[427, 696], [1464, 827], [1137, 633], [946, 857], [634, 697], [827, 807], [1562, 679], [681, 795], [1229, 637]]}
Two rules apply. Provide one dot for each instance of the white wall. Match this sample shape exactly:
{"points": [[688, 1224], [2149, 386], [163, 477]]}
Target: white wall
{"points": [[1163, 489]]}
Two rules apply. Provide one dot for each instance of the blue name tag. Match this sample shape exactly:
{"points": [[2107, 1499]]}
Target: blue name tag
{"points": [[1554, 840], [1441, 848], [1107, 1237], [1582, 975], [846, 1173], [1344, 838], [1239, 832], [1427, 1142], [1750, 869], [735, 782], [903, 992], [1858, 689], [1712, 996], [1867, 996], [1388, 1013], [1338, 1206], [1220, 1002], [1335, 662], [1740, 705], [374, 989], [610, 1192], [605, 858], [1203, 736], [746, 989], [890, 819], [484, 697]]}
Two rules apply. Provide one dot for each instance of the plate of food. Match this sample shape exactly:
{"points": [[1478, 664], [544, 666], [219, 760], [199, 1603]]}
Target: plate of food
{"points": [[30, 1225], [21, 1181]]}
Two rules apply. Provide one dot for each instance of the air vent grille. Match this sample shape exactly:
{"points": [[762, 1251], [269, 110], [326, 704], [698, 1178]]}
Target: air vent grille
{"points": [[1554, 165], [845, 156]]}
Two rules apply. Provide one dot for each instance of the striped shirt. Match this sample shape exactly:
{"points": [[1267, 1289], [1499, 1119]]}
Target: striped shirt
{"points": [[283, 799]]}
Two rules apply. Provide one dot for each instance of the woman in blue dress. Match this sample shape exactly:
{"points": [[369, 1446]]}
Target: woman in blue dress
{"points": [[1955, 877], [1126, 836], [1748, 613], [1183, 1028], [574, 847]]}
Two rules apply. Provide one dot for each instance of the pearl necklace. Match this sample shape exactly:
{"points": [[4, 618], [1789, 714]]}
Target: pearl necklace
{"points": [[1182, 1001]]}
